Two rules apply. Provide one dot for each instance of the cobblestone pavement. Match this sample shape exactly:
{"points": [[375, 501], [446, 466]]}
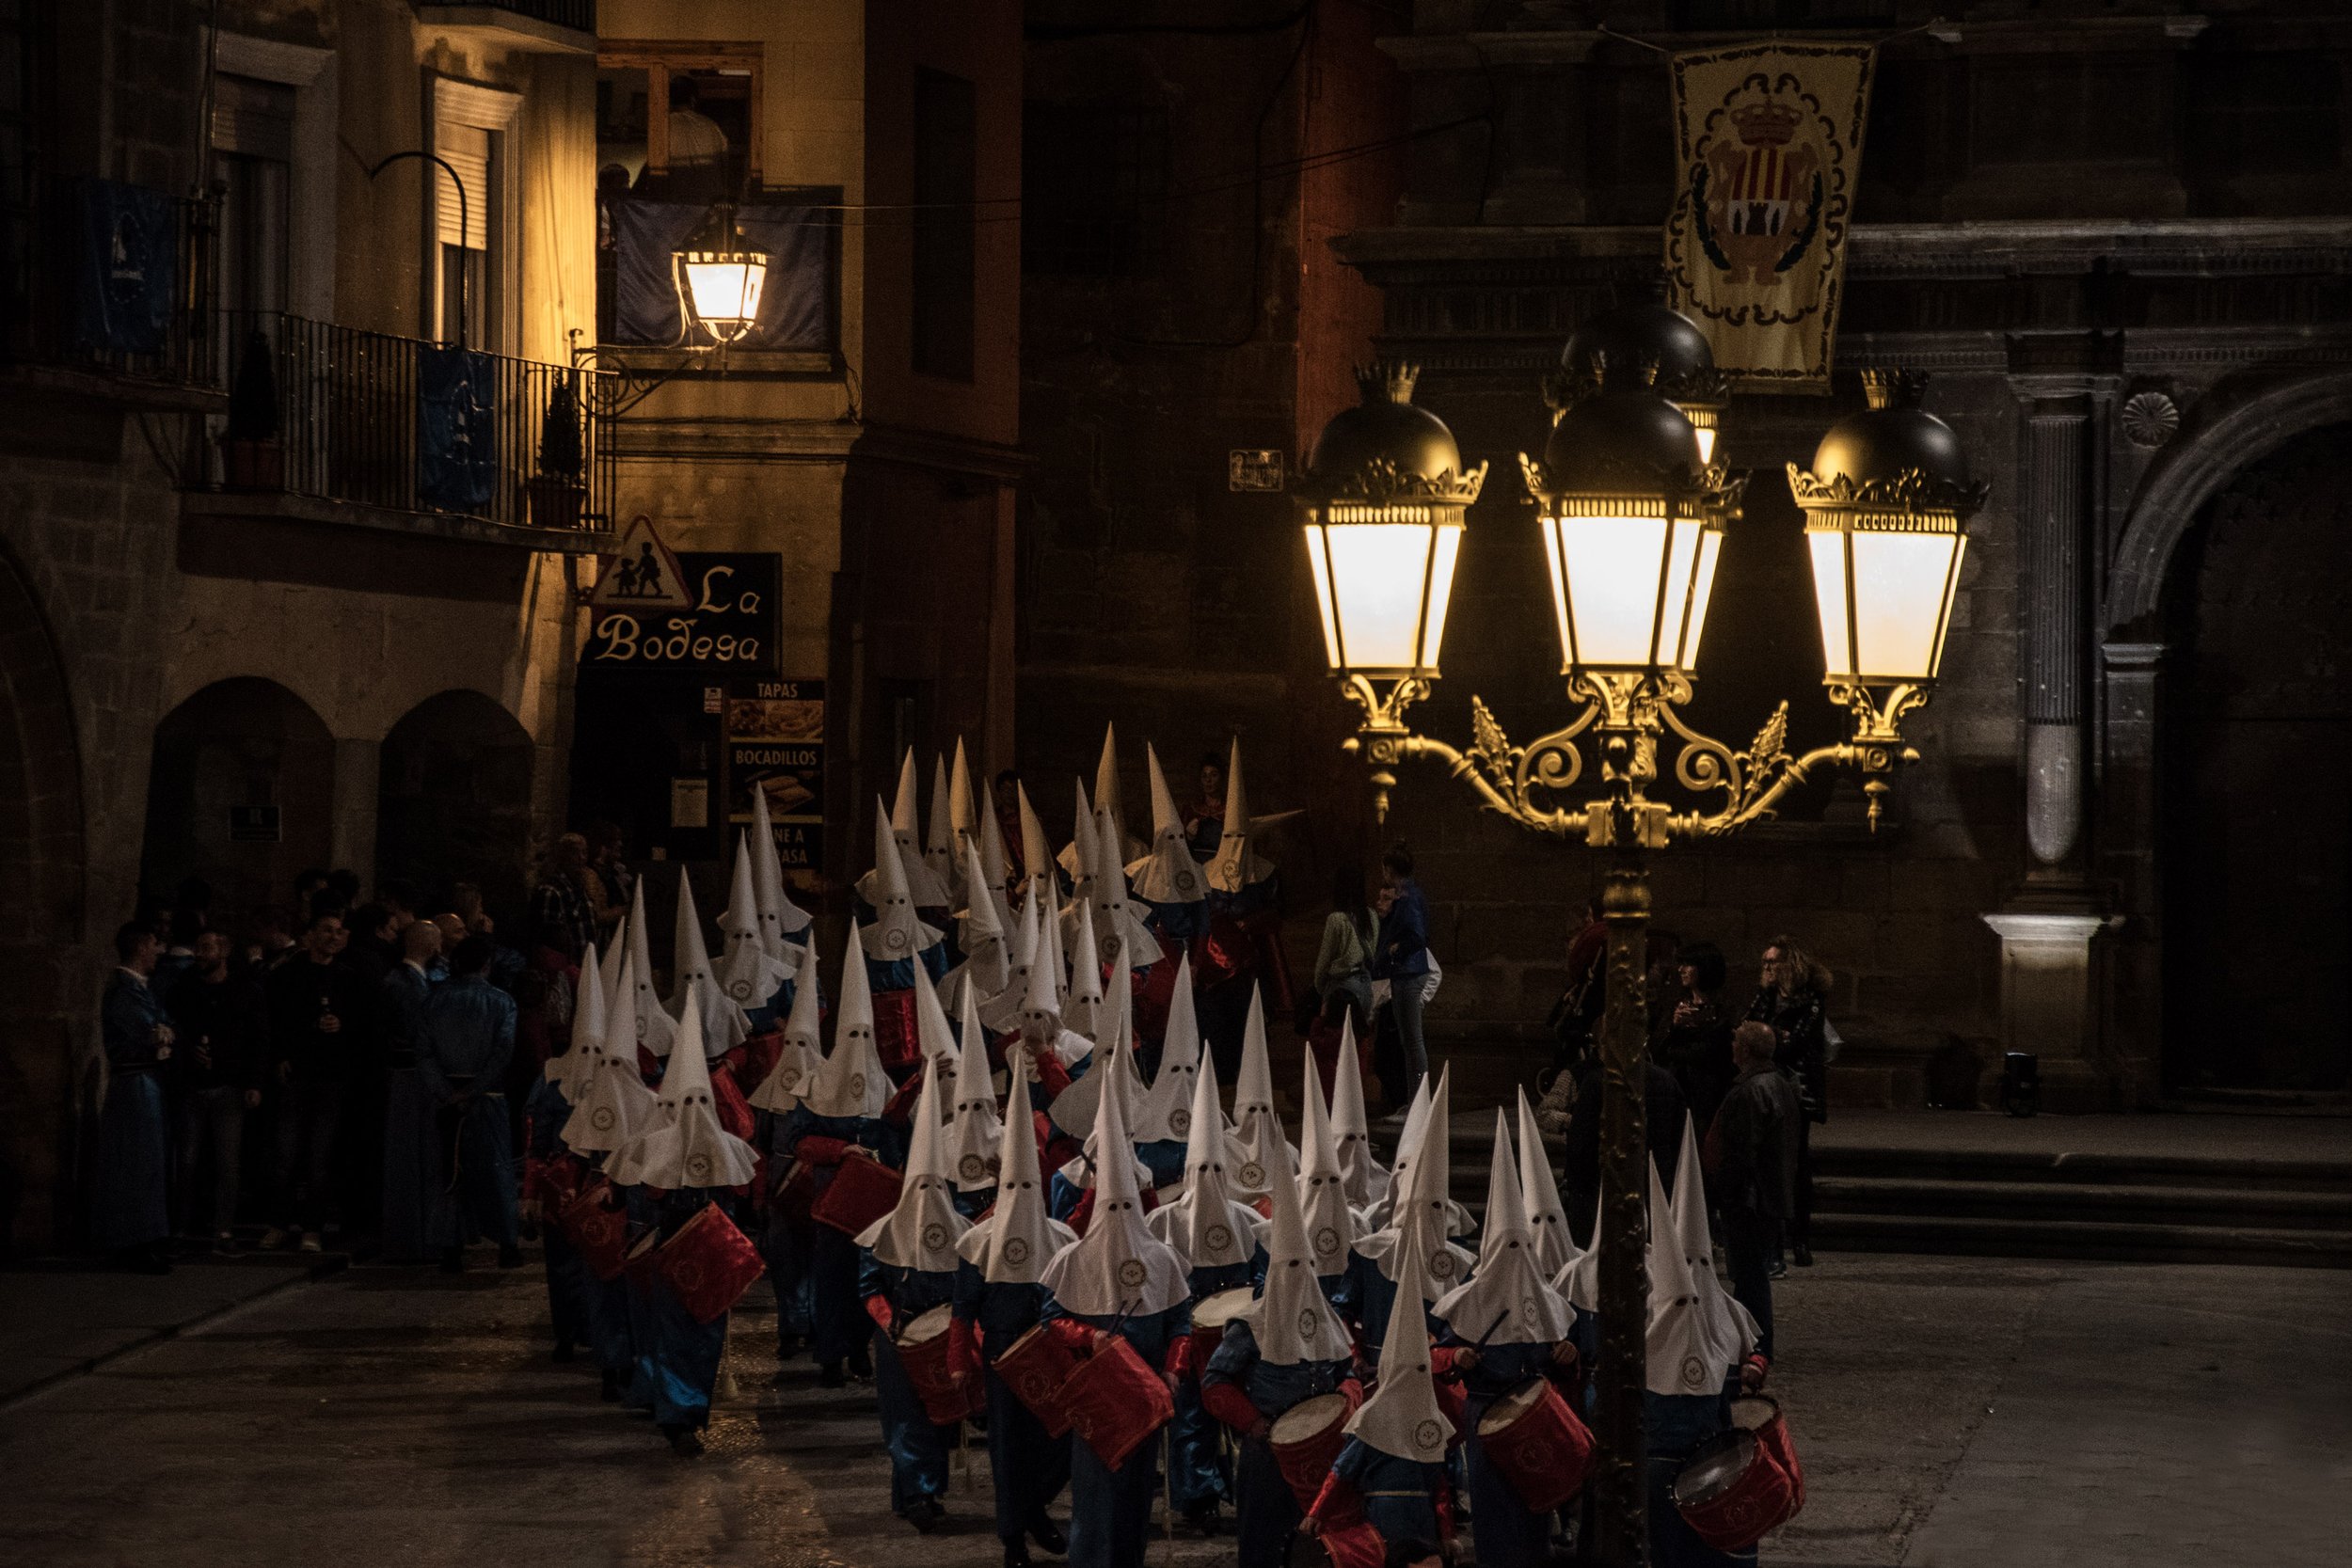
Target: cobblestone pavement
{"points": [[1951, 1410]]}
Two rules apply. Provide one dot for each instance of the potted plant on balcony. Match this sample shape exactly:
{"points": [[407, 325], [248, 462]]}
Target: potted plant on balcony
{"points": [[253, 456], [557, 493]]}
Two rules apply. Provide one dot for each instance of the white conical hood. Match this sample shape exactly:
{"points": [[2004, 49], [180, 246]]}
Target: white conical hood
{"points": [[923, 1230], [934, 1042], [993, 859], [1206, 1227], [1684, 1357], [973, 1136], [1166, 1110], [749, 974], [1166, 874], [1579, 1280], [1730, 1329], [1292, 1320], [1150, 1121], [779, 917], [1106, 781], [1421, 1213], [1125, 941], [1081, 1009], [1076, 1108], [1322, 1189], [963, 817], [722, 1020], [901, 825], [1015, 1243], [655, 1027], [1040, 1000], [803, 1052], [1408, 1146], [898, 932], [1402, 1418], [570, 1069], [1237, 864], [1037, 857], [983, 935], [1002, 1010], [614, 1000], [852, 1082], [1351, 1130], [1118, 1265], [1508, 1301], [615, 1107], [939, 839], [1267, 1154], [1077, 856], [687, 1146], [1541, 1192]]}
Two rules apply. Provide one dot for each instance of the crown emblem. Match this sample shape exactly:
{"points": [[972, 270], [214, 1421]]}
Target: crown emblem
{"points": [[1766, 123]]}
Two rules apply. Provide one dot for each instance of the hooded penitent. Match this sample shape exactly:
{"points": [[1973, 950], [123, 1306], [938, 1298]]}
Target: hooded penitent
{"points": [[1730, 1329], [972, 1137], [934, 1042], [1541, 1192], [983, 939], [779, 917], [903, 825], [1207, 1227], [1124, 940], [1036, 858], [1166, 874], [687, 1146], [1685, 1354], [1507, 1301], [1040, 1019], [1579, 1280], [1113, 1064], [1002, 1010], [614, 998], [1105, 800], [614, 1106], [1414, 1243], [1402, 1418], [1168, 1104], [1015, 1243], [896, 931], [655, 1027], [1266, 1152], [852, 1082], [722, 1020], [1291, 1319], [993, 865], [748, 973], [1118, 1265], [804, 1051], [1366, 1177], [963, 817], [1237, 864], [923, 1230], [1077, 856], [570, 1070], [1322, 1189], [939, 838], [1082, 1007]]}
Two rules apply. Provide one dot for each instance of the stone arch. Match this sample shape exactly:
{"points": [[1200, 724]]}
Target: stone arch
{"points": [[2232, 430], [453, 799], [240, 792]]}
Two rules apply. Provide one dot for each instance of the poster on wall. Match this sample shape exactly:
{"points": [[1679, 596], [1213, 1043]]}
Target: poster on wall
{"points": [[775, 746]]}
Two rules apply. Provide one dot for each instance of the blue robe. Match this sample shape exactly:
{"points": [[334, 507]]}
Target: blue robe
{"points": [[1029, 1466], [1197, 1471], [1110, 1510], [412, 1158], [469, 1039], [678, 1358], [1507, 1533], [918, 1446], [837, 1325], [1400, 1496], [545, 1112], [128, 1206], [1266, 1511], [786, 1242]]}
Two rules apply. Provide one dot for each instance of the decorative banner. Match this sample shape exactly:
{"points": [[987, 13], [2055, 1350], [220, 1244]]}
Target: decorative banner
{"points": [[776, 746], [1769, 138]]}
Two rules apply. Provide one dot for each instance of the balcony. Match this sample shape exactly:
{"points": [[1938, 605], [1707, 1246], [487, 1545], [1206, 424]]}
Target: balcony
{"points": [[111, 299], [533, 26], [333, 424]]}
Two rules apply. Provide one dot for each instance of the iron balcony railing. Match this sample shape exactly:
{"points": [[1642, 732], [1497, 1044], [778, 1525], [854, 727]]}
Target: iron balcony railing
{"points": [[339, 414], [579, 15], [112, 278]]}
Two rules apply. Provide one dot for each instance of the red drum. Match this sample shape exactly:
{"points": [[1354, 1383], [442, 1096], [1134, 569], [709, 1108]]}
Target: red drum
{"points": [[1537, 1444], [1354, 1545], [1731, 1494], [1760, 1414], [1035, 1367], [922, 1347], [1115, 1400], [894, 1038], [863, 1190], [708, 1263], [728, 1104], [1209, 1317], [1225, 952], [597, 1234], [1308, 1436], [797, 1191], [643, 1261]]}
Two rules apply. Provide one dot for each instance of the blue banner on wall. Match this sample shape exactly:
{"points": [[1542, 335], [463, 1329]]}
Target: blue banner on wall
{"points": [[129, 269], [458, 450], [795, 306]]}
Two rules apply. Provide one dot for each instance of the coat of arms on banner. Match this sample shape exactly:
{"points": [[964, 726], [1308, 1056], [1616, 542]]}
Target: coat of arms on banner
{"points": [[1768, 143]]}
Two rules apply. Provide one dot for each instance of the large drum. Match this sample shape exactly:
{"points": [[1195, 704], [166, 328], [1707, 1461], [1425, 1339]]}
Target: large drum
{"points": [[1115, 1400], [922, 1347], [861, 1192], [1308, 1436], [1731, 1494], [1354, 1545], [797, 1192], [1035, 1367], [896, 1041], [708, 1263], [1760, 1414], [1537, 1445], [599, 1234], [1209, 1317]]}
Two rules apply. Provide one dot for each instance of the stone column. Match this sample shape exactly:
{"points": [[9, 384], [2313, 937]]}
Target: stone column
{"points": [[2048, 1003], [358, 770], [2051, 545]]}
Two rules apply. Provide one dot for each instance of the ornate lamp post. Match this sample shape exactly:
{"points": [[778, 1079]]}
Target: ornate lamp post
{"points": [[1632, 513], [720, 279]]}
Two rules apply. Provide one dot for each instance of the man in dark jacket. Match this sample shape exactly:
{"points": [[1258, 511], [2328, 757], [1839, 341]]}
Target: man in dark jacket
{"points": [[223, 1029], [1752, 1156], [320, 1014]]}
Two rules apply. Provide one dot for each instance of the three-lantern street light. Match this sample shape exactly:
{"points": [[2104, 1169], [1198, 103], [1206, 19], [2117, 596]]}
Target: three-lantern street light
{"points": [[1631, 509]]}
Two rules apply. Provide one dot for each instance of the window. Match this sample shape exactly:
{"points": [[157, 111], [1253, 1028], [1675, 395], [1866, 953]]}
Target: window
{"points": [[253, 143], [946, 168], [704, 144], [1094, 182], [471, 276]]}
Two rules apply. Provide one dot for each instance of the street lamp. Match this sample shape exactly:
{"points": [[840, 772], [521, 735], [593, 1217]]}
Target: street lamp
{"points": [[720, 279], [1633, 512]]}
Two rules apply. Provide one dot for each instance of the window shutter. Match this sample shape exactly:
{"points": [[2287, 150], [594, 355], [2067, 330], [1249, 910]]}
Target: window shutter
{"points": [[468, 150]]}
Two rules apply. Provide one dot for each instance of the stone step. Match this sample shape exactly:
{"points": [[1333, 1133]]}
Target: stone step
{"points": [[2168, 1171], [2103, 1240], [2128, 1202]]}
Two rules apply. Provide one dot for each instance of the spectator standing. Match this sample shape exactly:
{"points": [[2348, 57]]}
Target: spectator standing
{"points": [[610, 881], [1751, 1160], [561, 915], [1693, 1038], [1342, 975], [1794, 1000], [375, 945], [319, 1015], [179, 955], [273, 939], [468, 1040], [1401, 957], [128, 1214], [222, 1027], [1204, 819], [412, 1157]]}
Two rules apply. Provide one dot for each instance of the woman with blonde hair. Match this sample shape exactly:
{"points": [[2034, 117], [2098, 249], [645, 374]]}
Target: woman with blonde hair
{"points": [[1794, 1000]]}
